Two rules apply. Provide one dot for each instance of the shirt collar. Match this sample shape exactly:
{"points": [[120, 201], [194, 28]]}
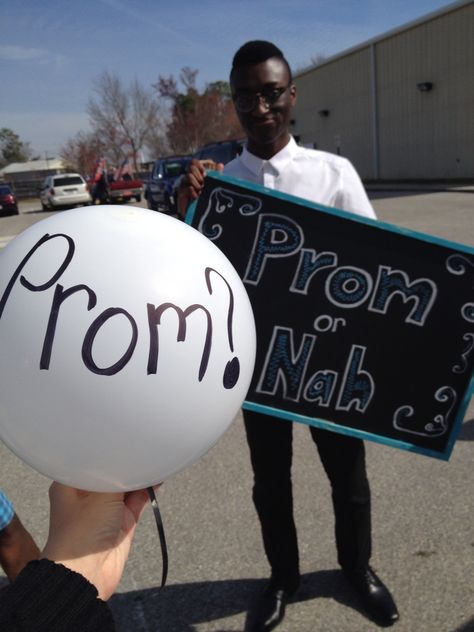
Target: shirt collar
{"points": [[278, 162]]}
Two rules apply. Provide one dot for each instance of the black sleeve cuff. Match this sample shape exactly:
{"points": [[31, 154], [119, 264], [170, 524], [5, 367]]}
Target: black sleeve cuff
{"points": [[48, 597]]}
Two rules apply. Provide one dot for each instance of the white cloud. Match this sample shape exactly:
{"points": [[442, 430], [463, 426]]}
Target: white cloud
{"points": [[21, 53]]}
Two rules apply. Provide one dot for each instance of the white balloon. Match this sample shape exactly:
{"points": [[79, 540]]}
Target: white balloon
{"points": [[127, 346]]}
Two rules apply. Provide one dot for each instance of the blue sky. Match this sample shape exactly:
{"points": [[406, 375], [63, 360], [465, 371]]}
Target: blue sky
{"points": [[52, 50]]}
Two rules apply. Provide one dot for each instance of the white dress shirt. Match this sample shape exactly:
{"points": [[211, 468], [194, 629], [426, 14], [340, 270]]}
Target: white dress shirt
{"points": [[307, 173]]}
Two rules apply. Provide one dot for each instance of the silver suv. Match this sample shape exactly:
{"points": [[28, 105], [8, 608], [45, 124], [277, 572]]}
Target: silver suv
{"points": [[64, 190]]}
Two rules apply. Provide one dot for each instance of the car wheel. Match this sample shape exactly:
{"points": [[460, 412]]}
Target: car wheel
{"points": [[150, 205], [138, 198], [169, 204]]}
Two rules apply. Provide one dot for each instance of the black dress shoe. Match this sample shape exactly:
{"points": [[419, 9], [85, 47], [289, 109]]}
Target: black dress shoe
{"points": [[374, 595], [270, 608]]}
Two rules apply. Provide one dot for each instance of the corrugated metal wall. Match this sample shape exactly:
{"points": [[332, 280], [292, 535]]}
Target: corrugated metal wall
{"points": [[337, 114], [398, 131]]}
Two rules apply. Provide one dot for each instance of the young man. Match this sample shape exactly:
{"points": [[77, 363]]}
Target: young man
{"points": [[263, 95]]}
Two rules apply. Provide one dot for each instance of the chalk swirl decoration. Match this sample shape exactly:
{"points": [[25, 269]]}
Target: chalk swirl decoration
{"points": [[435, 428], [459, 264], [461, 368], [220, 200]]}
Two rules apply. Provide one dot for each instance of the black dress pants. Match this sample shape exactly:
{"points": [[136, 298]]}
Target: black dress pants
{"points": [[343, 459]]}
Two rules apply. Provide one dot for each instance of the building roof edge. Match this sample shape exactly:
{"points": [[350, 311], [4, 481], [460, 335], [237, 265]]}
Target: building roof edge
{"points": [[386, 35]]}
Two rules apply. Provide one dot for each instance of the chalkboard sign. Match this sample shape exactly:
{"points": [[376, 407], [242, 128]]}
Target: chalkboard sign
{"points": [[362, 328]]}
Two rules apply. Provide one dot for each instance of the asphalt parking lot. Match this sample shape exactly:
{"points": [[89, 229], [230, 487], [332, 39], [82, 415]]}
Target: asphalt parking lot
{"points": [[423, 510]]}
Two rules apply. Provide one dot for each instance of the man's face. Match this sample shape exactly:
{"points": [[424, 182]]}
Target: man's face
{"points": [[266, 125]]}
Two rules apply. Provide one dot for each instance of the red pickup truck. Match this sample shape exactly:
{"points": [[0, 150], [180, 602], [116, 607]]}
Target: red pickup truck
{"points": [[125, 189], [116, 191]]}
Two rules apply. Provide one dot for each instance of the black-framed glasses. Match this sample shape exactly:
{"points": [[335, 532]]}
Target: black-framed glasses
{"points": [[246, 102]]}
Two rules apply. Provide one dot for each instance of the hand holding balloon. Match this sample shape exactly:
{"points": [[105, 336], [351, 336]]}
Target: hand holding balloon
{"points": [[91, 533]]}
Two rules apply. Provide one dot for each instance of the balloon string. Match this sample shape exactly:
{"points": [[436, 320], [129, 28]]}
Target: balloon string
{"points": [[161, 533]]}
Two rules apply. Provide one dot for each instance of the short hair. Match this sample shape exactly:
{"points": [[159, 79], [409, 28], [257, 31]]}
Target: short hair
{"points": [[256, 52]]}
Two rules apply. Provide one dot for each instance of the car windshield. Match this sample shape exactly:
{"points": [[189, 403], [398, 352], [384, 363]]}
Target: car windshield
{"points": [[175, 168], [65, 181], [5, 190]]}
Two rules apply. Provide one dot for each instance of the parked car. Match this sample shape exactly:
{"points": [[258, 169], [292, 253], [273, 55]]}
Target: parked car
{"points": [[8, 201], [64, 190], [223, 151], [159, 190]]}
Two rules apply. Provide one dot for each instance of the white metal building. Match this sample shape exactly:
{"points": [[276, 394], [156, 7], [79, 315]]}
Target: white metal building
{"points": [[17, 171], [25, 177], [400, 106]]}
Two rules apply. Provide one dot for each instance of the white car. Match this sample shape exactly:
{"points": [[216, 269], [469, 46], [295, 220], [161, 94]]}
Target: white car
{"points": [[64, 190]]}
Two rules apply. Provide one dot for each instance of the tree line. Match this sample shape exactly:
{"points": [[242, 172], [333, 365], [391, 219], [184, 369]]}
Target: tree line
{"points": [[173, 116]]}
